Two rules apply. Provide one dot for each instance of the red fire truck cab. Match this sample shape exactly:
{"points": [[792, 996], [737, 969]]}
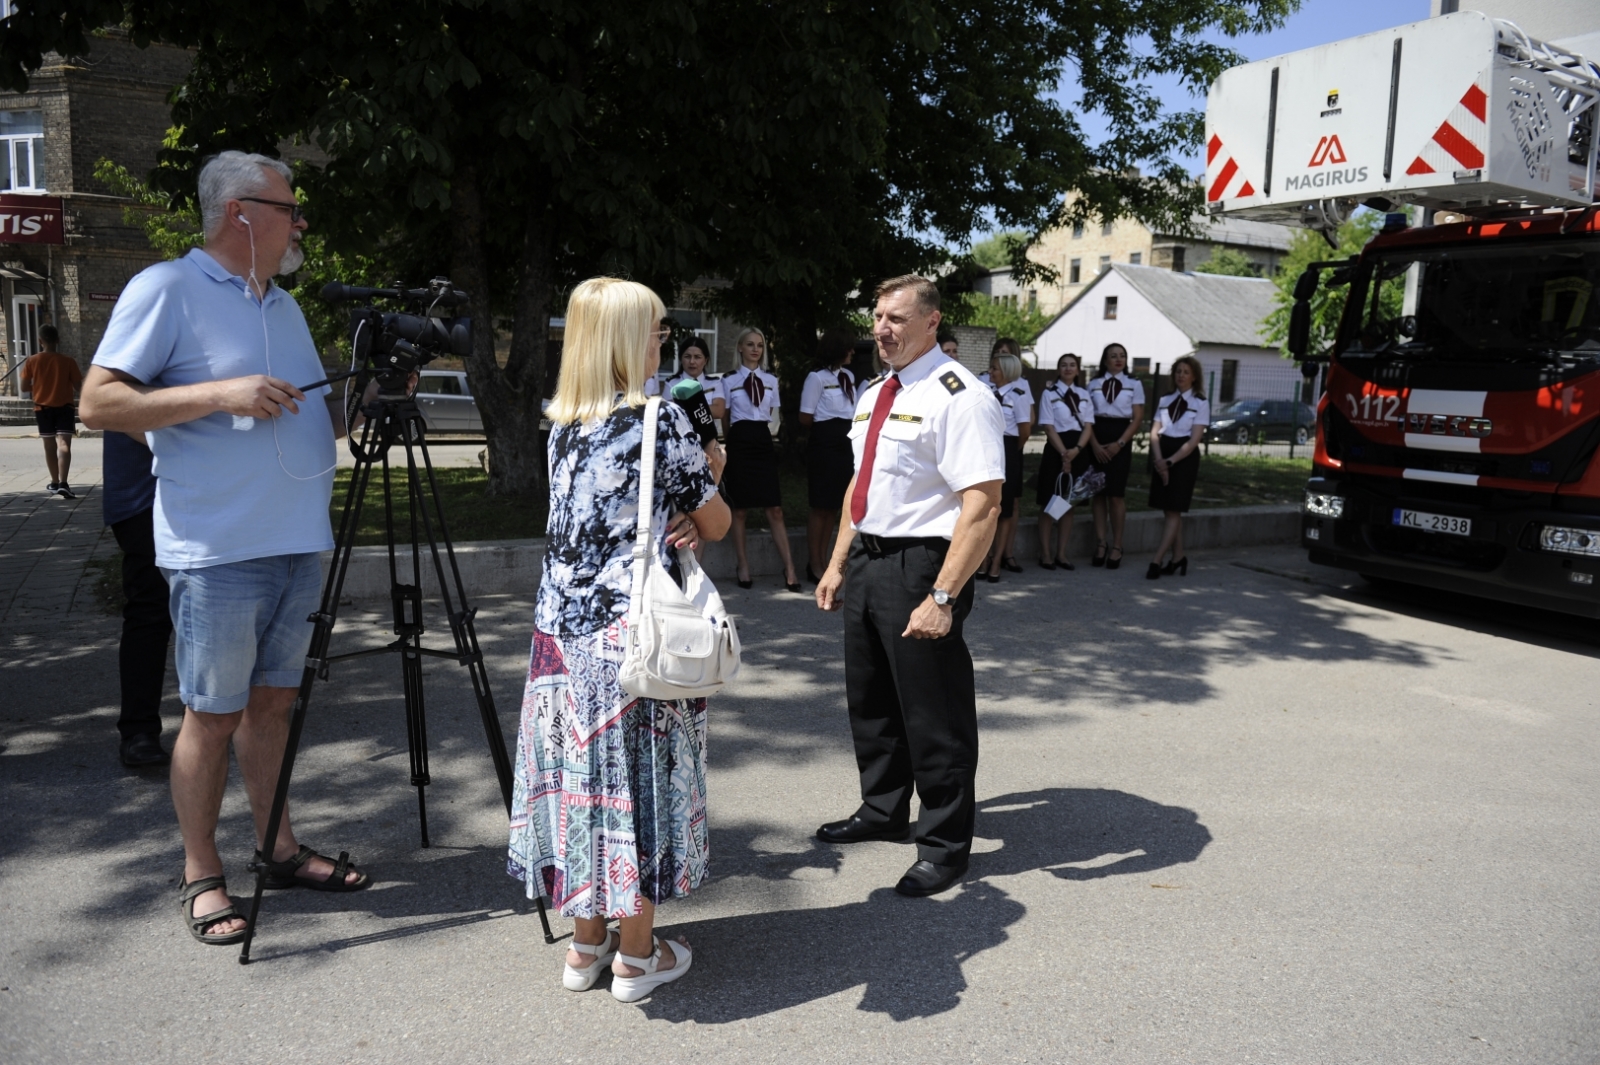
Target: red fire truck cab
{"points": [[1457, 431]]}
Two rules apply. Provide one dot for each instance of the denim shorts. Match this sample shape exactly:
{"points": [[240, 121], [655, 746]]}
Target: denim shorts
{"points": [[242, 625]]}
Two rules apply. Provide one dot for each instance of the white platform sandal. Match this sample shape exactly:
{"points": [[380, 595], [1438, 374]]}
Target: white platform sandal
{"points": [[633, 988], [583, 979]]}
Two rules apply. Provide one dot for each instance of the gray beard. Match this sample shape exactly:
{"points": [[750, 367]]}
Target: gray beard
{"points": [[292, 259]]}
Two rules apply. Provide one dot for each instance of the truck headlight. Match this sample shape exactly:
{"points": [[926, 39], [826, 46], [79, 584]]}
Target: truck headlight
{"points": [[1570, 541], [1324, 505]]}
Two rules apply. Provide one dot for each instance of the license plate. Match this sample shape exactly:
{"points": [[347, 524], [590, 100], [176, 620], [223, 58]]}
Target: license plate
{"points": [[1439, 523]]}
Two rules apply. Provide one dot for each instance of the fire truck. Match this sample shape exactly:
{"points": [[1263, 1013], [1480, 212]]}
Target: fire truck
{"points": [[1460, 413]]}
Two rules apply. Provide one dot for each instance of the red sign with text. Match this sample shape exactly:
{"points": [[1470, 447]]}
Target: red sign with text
{"points": [[30, 220]]}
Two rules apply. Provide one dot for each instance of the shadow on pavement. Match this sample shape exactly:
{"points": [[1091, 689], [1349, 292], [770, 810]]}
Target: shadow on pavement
{"points": [[908, 953]]}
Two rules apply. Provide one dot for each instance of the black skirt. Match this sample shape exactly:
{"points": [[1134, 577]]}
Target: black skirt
{"points": [[1011, 487], [1044, 485], [1109, 431], [830, 463], [751, 476], [1177, 493]]}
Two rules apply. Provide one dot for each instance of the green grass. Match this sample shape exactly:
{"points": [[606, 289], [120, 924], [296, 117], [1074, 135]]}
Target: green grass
{"points": [[1225, 481]]}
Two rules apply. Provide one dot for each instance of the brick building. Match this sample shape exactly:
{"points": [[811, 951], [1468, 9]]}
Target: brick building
{"points": [[110, 104]]}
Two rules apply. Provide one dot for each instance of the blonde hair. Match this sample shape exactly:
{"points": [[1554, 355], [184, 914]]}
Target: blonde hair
{"points": [[609, 322], [1009, 365]]}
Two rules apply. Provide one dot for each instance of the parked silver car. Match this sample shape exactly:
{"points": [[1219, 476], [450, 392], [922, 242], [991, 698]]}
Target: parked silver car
{"points": [[446, 402]]}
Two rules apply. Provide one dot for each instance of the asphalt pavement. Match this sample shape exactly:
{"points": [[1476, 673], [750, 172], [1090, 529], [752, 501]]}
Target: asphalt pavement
{"points": [[1258, 814]]}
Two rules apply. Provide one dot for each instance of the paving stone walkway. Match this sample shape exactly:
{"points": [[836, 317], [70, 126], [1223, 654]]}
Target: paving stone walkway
{"points": [[50, 547]]}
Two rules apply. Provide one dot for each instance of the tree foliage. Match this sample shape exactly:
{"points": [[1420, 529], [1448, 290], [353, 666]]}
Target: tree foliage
{"points": [[1024, 322], [996, 250], [1229, 262], [1327, 305], [800, 151]]}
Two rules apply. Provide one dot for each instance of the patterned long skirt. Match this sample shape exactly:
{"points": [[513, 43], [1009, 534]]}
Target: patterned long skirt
{"points": [[609, 801]]}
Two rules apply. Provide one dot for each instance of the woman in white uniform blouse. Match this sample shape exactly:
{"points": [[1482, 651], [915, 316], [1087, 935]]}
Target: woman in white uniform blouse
{"points": [[1016, 403], [827, 405], [1118, 414], [1180, 422], [1066, 412], [693, 357], [751, 479]]}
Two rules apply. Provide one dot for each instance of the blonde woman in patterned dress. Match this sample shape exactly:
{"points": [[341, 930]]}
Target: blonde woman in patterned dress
{"points": [[608, 811]]}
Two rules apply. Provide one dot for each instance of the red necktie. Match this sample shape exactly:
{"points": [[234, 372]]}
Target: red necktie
{"points": [[756, 389], [880, 414], [847, 386]]}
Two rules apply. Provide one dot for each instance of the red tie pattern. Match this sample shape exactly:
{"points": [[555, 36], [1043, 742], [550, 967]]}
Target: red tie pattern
{"points": [[755, 389], [847, 385], [880, 414]]}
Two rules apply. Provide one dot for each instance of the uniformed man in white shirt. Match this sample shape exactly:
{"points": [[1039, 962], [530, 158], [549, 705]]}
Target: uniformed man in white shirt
{"points": [[921, 511]]}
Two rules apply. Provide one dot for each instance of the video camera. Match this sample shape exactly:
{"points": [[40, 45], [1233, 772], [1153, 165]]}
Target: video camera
{"points": [[391, 346]]}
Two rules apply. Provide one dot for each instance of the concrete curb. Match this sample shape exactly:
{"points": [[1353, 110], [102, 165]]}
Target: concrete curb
{"points": [[492, 567]]}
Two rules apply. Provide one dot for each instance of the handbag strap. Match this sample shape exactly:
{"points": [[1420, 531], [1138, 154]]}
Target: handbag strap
{"points": [[647, 478]]}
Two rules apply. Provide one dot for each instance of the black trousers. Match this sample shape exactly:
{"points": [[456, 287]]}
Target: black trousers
{"points": [[913, 707], [146, 627]]}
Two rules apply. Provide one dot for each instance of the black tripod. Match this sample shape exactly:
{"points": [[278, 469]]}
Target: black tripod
{"points": [[394, 421]]}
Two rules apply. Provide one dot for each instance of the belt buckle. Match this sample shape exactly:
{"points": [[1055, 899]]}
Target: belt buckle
{"points": [[872, 544]]}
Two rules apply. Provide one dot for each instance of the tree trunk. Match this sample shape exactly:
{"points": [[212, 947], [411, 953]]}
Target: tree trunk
{"points": [[508, 399]]}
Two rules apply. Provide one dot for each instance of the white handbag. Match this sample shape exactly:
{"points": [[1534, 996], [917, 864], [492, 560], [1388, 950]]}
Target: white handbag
{"points": [[1060, 502], [681, 642]]}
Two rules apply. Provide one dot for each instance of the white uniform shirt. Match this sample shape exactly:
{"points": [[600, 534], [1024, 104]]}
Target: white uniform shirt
{"points": [[1115, 395], [740, 409], [825, 399], [662, 386], [1067, 416], [1180, 412], [1016, 405], [942, 437]]}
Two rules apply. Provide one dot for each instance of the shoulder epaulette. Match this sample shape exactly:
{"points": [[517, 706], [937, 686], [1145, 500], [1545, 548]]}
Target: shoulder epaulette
{"points": [[952, 382], [875, 380]]}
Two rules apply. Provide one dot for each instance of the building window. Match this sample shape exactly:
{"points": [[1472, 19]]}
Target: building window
{"points": [[1230, 380], [1136, 258], [1075, 272], [1177, 259], [1105, 229], [22, 136], [1077, 231], [1033, 299], [1105, 263], [1111, 308]]}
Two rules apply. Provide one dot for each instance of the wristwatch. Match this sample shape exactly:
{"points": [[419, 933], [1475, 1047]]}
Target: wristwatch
{"points": [[941, 597]]}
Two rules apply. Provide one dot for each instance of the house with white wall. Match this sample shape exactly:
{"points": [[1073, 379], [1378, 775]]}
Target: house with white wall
{"points": [[1160, 315]]}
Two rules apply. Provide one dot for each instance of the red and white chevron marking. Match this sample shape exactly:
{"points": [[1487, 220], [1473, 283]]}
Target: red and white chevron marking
{"points": [[1461, 139], [1224, 179]]}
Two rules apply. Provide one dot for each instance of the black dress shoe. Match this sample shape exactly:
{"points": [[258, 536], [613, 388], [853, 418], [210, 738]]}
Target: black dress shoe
{"points": [[142, 751], [925, 878], [854, 830]]}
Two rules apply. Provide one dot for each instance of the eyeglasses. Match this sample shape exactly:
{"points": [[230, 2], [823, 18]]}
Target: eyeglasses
{"points": [[296, 212]]}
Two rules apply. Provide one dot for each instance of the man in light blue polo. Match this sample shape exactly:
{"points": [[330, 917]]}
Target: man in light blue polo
{"points": [[201, 356]]}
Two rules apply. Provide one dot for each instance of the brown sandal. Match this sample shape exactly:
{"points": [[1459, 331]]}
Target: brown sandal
{"points": [[282, 874], [188, 892]]}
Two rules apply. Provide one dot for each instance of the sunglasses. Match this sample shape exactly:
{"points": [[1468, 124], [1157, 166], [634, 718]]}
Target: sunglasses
{"points": [[296, 212]]}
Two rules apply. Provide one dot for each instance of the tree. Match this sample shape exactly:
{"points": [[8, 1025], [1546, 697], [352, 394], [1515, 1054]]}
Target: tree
{"points": [[1022, 322], [1327, 305], [1229, 262], [995, 250], [801, 150]]}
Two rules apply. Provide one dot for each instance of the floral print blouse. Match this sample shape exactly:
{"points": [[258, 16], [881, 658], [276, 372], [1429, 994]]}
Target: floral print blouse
{"points": [[594, 501]]}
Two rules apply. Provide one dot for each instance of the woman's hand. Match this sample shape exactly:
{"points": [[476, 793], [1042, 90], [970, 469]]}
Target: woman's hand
{"points": [[1100, 452], [717, 458], [682, 532]]}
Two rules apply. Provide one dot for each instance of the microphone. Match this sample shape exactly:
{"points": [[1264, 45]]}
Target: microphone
{"points": [[692, 398]]}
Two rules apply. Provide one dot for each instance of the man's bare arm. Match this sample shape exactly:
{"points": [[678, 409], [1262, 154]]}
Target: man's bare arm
{"points": [[980, 512], [115, 400]]}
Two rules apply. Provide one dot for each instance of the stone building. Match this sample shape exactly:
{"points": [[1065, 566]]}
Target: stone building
{"points": [[110, 104]]}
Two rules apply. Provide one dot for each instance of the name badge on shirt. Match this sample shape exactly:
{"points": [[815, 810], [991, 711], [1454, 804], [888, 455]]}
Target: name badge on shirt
{"points": [[914, 419], [863, 417]]}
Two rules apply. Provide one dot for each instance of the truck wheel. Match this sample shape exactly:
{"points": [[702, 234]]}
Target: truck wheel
{"points": [[1241, 435], [1301, 436]]}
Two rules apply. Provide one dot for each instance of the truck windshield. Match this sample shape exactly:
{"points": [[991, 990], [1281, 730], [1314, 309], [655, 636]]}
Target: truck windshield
{"points": [[1475, 304]]}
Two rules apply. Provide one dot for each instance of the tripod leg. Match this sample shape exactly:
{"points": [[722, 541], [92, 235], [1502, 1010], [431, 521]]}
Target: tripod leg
{"points": [[416, 731], [461, 626], [322, 623]]}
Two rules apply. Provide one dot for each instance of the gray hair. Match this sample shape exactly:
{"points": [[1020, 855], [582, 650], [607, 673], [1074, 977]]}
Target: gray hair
{"points": [[233, 176]]}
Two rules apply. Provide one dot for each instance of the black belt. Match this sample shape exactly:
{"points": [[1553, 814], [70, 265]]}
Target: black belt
{"points": [[879, 546]]}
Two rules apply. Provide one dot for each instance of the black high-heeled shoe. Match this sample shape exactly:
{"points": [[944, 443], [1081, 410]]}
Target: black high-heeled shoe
{"points": [[1153, 572], [994, 578], [795, 587], [1045, 563], [1114, 563], [1062, 563], [1011, 564], [811, 575], [1180, 566], [1099, 558], [744, 583]]}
